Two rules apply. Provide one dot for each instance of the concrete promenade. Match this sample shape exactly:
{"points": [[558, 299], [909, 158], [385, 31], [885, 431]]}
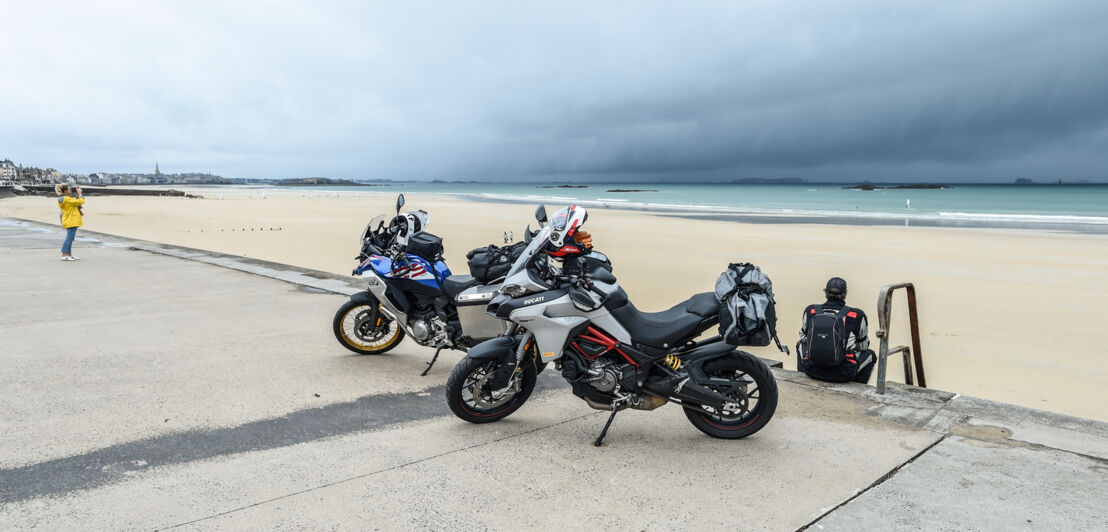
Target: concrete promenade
{"points": [[154, 387]]}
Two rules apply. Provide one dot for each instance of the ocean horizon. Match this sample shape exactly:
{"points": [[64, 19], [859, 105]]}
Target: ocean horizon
{"points": [[1065, 207]]}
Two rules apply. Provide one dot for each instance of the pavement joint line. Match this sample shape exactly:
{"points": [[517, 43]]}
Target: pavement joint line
{"points": [[934, 415], [1013, 442], [379, 471], [890, 474]]}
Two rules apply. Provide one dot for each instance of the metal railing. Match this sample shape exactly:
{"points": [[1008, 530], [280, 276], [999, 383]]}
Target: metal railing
{"points": [[884, 310]]}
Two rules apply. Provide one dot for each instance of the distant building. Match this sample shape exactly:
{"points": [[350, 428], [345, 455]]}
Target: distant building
{"points": [[8, 170]]}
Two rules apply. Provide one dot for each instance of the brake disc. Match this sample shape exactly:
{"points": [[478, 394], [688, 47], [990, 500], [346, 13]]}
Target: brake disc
{"points": [[479, 397], [365, 330]]}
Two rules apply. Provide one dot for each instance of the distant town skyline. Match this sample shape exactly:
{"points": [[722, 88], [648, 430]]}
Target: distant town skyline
{"points": [[977, 91], [11, 171]]}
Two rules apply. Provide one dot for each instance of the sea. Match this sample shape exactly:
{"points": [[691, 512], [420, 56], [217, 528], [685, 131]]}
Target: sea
{"points": [[1061, 207]]}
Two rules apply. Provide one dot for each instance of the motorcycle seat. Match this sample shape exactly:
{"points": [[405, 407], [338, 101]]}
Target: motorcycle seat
{"points": [[669, 327], [456, 284]]}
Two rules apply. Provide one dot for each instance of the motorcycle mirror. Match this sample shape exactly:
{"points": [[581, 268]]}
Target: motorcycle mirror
{"points": [[540, 214], [527, 235], [581, 299], [399, 203]]}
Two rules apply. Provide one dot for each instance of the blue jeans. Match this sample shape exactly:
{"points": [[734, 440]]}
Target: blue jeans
{"points": [[67, 246]]}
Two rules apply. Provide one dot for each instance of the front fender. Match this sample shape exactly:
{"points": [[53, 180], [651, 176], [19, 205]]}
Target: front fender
{"points": [[499, 348], [502, 348], [364, 298]]}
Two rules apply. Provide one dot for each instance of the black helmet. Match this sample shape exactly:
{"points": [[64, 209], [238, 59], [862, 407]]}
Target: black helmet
{"points": [[836, 286]]}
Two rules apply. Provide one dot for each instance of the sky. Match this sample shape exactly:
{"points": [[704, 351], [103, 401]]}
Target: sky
{"points": [[892, 91]]}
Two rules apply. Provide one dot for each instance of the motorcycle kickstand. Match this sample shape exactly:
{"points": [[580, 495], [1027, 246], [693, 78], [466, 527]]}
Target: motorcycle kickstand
{"points": [[604, 432], [432, 362]]}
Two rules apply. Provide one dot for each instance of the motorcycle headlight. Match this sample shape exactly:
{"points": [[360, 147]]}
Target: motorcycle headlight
{"points": [[513, 290]]}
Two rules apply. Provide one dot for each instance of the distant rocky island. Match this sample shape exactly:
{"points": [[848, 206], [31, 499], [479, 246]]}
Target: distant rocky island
{"points": [[1026, 181], [769, 181], [631, 190], [322, 181], [920, 186]]}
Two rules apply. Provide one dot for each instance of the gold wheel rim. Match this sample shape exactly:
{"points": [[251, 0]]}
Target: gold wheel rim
{"points": [[355, 343]]}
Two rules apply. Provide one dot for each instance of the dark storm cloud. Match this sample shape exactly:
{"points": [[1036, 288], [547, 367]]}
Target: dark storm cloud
{"points": [[636, 90]]}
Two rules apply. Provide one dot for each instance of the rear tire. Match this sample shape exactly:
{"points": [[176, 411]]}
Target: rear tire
{"points": [[365, 338], [760, 386], [461, 391]]}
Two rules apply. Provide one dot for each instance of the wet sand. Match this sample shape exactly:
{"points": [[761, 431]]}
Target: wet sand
{"points": [[1011, 315]]}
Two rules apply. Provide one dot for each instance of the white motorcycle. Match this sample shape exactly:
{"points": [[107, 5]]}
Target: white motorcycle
{"points": [[613, 355]]}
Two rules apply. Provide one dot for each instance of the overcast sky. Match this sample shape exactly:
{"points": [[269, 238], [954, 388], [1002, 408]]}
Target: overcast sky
{"points": [[845, 90]]}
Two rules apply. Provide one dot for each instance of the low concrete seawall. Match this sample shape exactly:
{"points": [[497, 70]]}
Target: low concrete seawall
{"points": [[7, 191]]}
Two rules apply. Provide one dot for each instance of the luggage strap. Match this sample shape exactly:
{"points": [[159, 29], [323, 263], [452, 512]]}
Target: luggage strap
{"points": [[741, 269], [781, 348]]}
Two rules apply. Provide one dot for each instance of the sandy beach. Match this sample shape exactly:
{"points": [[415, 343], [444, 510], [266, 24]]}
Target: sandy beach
{"points": [[1009, 315]]}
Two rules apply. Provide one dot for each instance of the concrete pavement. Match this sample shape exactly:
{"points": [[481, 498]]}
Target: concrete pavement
{"points": [[148, 386]]}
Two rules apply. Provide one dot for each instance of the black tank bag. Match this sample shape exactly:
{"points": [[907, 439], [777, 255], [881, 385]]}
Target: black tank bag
{"points": [[426, 245]]}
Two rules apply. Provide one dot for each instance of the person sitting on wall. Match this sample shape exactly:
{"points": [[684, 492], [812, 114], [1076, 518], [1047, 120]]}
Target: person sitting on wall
{"points": [[834, 341]]}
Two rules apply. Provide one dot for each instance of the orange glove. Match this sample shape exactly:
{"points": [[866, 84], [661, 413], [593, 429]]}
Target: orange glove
{"points": [[583, 238]]}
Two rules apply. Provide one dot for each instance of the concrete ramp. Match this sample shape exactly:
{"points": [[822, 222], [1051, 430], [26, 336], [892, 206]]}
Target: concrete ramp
{"points": [[169, 388]]}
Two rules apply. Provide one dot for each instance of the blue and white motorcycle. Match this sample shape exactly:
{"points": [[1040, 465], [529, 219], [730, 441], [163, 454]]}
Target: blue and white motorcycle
{"points": [[410, 290]]}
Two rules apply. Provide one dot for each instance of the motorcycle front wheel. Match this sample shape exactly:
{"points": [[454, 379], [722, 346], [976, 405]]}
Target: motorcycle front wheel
{"points": [[752, 388], [470, 397], [354, 331]]}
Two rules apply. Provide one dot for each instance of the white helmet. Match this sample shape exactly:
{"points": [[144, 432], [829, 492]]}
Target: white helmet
{"points": [[409, 223], [563, 225]]}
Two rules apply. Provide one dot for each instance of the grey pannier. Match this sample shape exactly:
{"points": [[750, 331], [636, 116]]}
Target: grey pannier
{"points": [[747, 313]]}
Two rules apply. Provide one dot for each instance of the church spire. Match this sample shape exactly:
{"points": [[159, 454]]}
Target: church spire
{"points": [[157, 171]]}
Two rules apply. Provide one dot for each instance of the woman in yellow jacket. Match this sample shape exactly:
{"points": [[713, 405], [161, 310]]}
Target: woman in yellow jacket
{"points": [[71, 216]]}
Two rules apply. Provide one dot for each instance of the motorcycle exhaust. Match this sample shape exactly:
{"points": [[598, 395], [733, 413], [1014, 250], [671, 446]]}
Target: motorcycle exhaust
{"points": [[646, 402]]}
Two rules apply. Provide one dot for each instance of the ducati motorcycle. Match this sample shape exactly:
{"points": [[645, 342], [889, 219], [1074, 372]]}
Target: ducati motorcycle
{"points": [[411, 291], [613, 355]]}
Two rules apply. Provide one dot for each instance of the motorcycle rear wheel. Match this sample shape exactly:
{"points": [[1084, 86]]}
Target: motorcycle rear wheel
{"points": [[355, 334], [750, 381], [467, 388]]}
